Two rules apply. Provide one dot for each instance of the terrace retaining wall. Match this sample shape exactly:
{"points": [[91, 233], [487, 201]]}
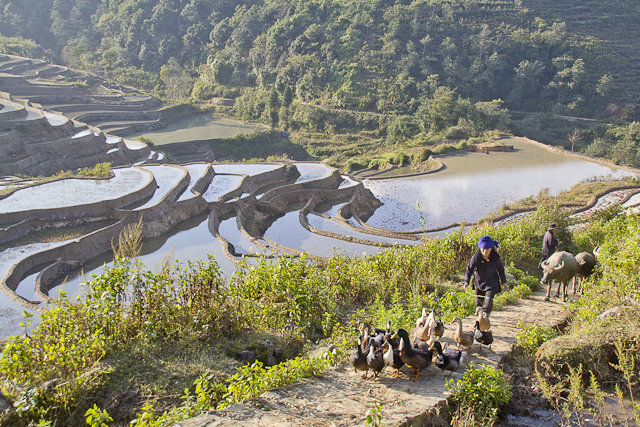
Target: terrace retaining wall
{"points": [[80, 250]]}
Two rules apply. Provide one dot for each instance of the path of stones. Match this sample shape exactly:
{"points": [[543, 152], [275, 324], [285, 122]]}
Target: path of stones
{"points": [[341, 397]]}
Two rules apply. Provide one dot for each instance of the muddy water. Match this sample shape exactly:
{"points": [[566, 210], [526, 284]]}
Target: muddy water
{"points": [[473, 184], [204, 126]]}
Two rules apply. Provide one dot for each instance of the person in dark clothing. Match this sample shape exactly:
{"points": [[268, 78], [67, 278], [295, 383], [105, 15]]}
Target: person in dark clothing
{"points": [[549, 242], [488, 272]]}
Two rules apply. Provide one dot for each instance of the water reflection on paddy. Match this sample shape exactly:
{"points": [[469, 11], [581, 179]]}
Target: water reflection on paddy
{"points": [[243, 168], [312, 171], [221, 185], [71, 192], [10, 311], [288, 231], [166, 178], [329, 209], [473, 184], [204, 126], [191, 241], [228, 229], [332, 226], [196, 171]]}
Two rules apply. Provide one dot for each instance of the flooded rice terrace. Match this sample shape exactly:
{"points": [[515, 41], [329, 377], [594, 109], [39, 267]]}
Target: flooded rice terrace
{"points": [[201, 127], [469, 187], [73, 192]]}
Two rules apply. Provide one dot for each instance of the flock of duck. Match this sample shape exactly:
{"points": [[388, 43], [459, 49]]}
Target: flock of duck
{"points": [[383, 347]]}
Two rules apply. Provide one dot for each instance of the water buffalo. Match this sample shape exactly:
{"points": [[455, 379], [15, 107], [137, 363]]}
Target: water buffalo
{"points": [[586, 262], [559, 268]]}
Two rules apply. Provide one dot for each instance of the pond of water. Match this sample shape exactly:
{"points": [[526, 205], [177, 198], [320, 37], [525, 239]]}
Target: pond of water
{"points": [[288, 231], [166, 178], [311, 171], [243, 168], [221, 185], [473, 184], [204, 126], [633, 201], [190, 241], [332, 226], [228, 229], [10, 311], [196, 171], [71, 192], [133, 144], [55, 119]]}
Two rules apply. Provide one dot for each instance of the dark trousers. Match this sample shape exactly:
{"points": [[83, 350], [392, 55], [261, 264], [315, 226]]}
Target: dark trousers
{"points": [[484, 299]]}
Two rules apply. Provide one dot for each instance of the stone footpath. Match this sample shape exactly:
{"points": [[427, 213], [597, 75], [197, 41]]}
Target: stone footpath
{"points": [[342, 398]]}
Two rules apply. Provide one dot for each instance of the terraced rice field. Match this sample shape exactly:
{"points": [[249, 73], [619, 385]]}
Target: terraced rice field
{"points": [[73, 192], [221, 185], [166, 178]]}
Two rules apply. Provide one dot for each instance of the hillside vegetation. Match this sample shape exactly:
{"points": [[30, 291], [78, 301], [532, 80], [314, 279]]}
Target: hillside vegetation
{"points": [[393, 76], [158, 347]]}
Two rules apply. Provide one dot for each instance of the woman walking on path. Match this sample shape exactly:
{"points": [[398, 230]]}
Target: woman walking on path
{"points": [[488, 272], [549, 242]]}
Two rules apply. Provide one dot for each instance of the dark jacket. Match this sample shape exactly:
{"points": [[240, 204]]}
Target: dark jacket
{"points": [[549, 244], [488, 274]]}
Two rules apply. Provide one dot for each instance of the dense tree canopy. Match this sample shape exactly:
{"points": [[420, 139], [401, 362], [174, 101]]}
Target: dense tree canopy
{"points": [[434, 61], [375, 55]]}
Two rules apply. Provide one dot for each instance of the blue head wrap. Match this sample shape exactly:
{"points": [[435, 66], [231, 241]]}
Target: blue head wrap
{"points": [[487, 242]]}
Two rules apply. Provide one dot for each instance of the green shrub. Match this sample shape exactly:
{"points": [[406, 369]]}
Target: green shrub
{"points": [[514, 295], [400, 159], [354, 165], [530, 338], [424, 155], [453, 304], [479, 395], [101, 170], [444, 149], [455, 132], [145, 140]]}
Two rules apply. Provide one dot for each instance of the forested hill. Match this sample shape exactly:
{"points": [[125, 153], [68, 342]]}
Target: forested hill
{"points": [[431, 61], [373, 54]]}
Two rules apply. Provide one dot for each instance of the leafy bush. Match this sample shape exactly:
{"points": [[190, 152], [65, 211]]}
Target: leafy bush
{"points": [[291, 291], [530, 338], [354, 165], [519, 292], [453, 304], [456, 132], [146, 140], [479, 395], [399, 313], [424, 155]]}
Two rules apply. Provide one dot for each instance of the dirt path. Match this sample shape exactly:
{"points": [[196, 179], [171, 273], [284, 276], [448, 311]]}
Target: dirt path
{"points": [[342, 398]]}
